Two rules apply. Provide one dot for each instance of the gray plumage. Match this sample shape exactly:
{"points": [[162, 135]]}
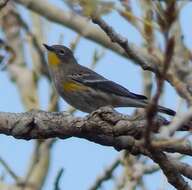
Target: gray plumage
{"points": [[99, 91]]}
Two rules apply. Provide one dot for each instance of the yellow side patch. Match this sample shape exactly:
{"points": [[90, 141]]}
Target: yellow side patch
{"points": [[53, 58], [71, 86]]}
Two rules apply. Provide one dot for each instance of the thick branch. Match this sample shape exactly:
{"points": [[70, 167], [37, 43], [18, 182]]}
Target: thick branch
{"points": [[104, 126], [108, 174], [101, 126]]}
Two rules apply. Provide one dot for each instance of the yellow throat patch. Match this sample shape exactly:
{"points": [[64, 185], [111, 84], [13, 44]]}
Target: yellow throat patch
{"points": [[72, 86], [53, 59]]}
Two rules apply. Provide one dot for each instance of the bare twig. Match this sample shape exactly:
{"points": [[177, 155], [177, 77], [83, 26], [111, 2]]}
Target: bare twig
{"points": [[169, 169], [178, 121], [9, 49], [53, 102], [97, 56], [108, 174], [58, 178], [153, 105], [181, 146], [38, 169], [12, 33], [75, 42], [123, 42], [10, 171], [36, 45]]}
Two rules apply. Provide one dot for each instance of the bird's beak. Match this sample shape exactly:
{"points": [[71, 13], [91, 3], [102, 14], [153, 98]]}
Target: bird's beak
{"points": [[49, 48]]}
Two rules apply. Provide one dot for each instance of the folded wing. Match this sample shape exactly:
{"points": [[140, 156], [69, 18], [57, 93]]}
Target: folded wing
{"points": [[98, 82]]}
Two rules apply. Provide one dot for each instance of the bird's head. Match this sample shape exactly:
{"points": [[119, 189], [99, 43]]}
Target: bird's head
{"points": [[58, 55]]}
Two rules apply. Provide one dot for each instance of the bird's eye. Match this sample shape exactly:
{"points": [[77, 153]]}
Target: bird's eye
{"points": [[62, 52]]}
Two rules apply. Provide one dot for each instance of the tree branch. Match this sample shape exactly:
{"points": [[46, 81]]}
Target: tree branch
{"points": [[104, 126], [108, 174], [58, 178], [169, 169], [10, 171]]}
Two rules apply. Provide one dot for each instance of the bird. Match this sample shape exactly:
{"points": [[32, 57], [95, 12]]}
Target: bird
{"points": [[86, 90]]}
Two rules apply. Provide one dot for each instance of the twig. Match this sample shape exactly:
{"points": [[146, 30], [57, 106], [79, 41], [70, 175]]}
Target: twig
{"points": [[57, 179], [53, 102], [153, 105], [75, 42], [108, 174], [9, 49], [151, 169], [97, 56], [10, 171], [170, 171], [177, 123], [123, 42], [36, 45], [174, 145], [38, 166]]}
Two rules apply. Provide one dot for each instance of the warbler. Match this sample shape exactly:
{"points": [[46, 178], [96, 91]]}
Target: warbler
{"points": [[85, 89]]}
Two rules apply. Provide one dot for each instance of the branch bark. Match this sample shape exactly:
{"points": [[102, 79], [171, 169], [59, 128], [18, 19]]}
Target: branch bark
{"points": [[104, 126], [101, 126]]}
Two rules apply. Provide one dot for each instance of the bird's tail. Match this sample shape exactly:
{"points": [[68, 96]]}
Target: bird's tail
{"points": [[166, 110], [161, 109], [143, 104]]}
